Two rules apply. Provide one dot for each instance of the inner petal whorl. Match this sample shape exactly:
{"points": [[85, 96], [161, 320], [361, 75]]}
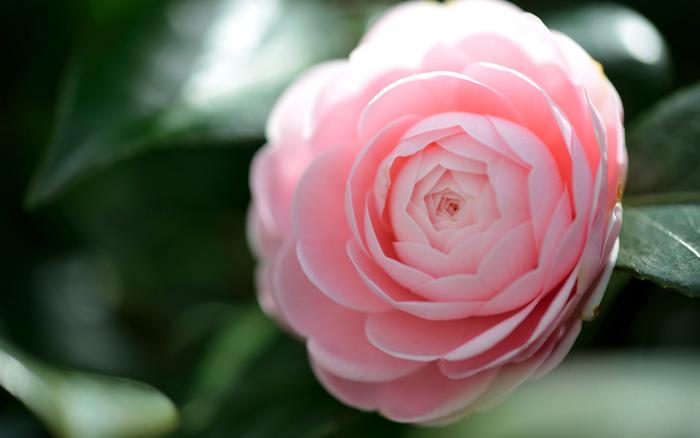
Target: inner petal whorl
{"points": [[447, 204], [443, 194], [458, 197]]}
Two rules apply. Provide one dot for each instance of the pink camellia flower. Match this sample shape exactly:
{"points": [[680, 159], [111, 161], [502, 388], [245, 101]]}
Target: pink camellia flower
{"points": [[436, 214]]}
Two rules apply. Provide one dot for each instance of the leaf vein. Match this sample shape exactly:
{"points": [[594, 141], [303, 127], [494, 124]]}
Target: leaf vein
{"points": [[663, 229]]}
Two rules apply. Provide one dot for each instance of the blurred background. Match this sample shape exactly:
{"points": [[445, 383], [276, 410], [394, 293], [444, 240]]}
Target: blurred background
{"points": [[126, 130]]}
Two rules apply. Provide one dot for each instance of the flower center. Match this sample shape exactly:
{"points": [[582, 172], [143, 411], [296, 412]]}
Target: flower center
{"points": [[448, 204]]}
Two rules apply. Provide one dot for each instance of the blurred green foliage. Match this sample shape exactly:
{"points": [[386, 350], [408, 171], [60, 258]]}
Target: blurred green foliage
{"points": [[127, 130], [81, 405]]}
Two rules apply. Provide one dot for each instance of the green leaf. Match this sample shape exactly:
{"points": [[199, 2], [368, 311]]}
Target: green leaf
{"points": [[81, 405], [662, 243], [621, 395], [182, 72], [660, 238], [664, 146]]}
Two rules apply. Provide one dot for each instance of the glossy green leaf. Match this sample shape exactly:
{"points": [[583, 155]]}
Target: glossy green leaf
{"points": [[664, 146], [81, 405], [183, 72], [662, 243]]}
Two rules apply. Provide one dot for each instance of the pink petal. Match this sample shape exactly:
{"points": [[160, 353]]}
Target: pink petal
{"points": [[431, 93], [544, 184], [428, 395], [517, 294], [426, 258], [359, 395], [506, 21], [365, 169], [561, 350], [571, 98], [263, 237], [289, 120], [479, 139], [407, 336], [444, 57], [320, 223], [385, 165], [492, 48], [606, 101], [403, 20], [329, 269], [538, 323], [386, 288], [340, 103], [513, 256], [527, 287], [459, 287], [375, 278], [275, 172], [403, 274], [346, 352], [510, 182], [263, 285], [514, 374], [590, 309], [494, 331], [303, 306], [532, 104], [424, 396], [571, 246], [440, 311], [403, 226]]}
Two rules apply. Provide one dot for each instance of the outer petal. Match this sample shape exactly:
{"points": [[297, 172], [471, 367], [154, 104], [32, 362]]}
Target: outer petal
{"points": [[533, 331], [290, 119], [405, 20], [274, 175], [432, 93], [304, 307], [590, 309], [335, 334], [320, 223], [606, 100], [421, 397], [345, 351]]}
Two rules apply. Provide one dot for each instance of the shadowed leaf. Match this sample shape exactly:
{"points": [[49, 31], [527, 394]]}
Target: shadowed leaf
{"points": [[662, 243]]}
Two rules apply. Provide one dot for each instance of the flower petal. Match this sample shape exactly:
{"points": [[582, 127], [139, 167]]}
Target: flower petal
{"points": [[346, 352], [320, 223]]}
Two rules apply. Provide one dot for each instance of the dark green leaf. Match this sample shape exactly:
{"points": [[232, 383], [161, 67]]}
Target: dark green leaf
{"points": [[662, 243], [184, 71], [80, 405], [664, 146]]}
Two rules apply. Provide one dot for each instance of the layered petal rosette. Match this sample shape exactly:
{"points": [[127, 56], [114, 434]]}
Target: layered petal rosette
{"points": [[436, 214]]}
